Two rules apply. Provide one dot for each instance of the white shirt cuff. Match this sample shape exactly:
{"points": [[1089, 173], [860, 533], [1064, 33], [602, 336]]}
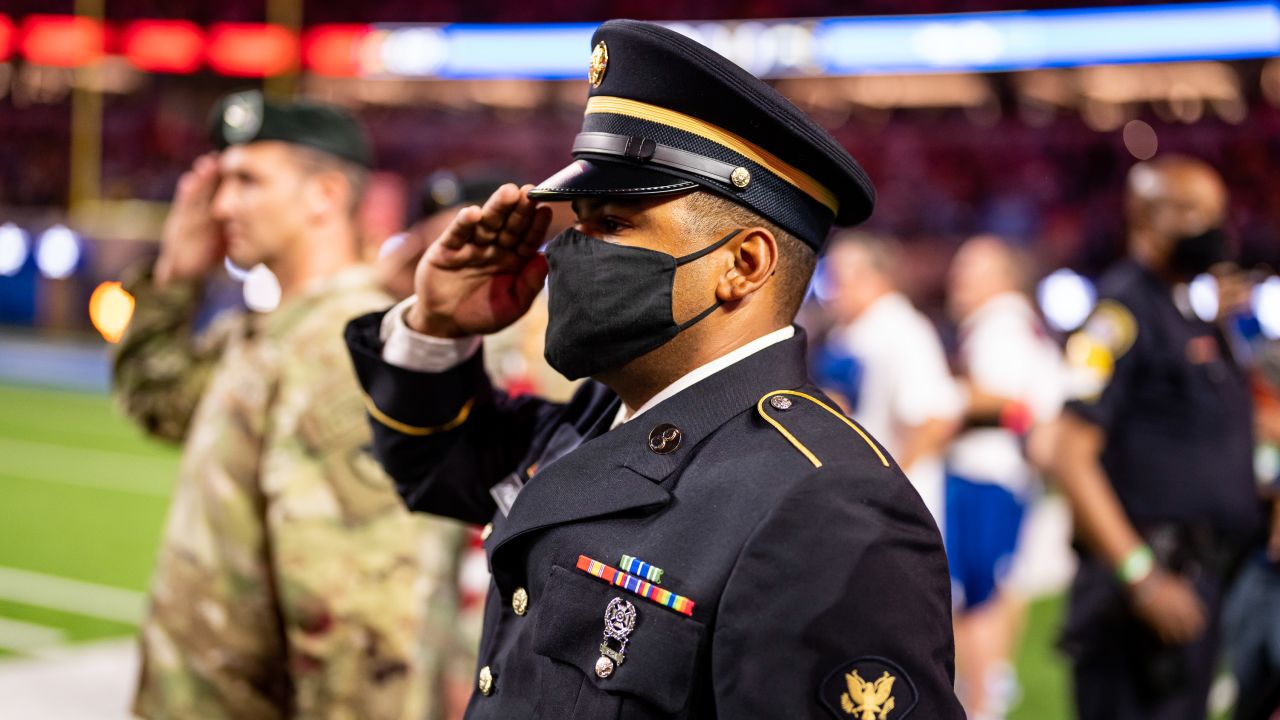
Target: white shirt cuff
{"points": [[406, 348]]}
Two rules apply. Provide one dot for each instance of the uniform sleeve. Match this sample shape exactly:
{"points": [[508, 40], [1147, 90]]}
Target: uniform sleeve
{"points": [[367, 590], [843, 583], [444, 437], [211, 642], [159, 369], [1102, 359]]}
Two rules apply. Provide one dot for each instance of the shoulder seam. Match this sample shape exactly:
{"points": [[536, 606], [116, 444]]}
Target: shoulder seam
{"points": [[796, 442]]}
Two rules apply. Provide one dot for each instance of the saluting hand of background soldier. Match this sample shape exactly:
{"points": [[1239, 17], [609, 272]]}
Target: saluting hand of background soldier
{"points": [[485, 270], [192, 243]]}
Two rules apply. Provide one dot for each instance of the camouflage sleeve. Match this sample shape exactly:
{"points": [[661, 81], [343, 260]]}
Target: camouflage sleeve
{"points": [[160, 369], [211, 645], [367, 590]]}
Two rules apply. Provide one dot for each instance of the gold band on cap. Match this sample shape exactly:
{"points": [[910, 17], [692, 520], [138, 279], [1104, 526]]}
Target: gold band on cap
{"points": [[719, 136]]}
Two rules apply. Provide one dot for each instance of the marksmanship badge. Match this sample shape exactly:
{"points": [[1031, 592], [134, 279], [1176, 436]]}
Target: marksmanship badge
{"points": [[619, 621]]}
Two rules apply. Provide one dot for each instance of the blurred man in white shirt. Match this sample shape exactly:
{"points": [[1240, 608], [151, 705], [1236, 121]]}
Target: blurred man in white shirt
{"points": [[884, 356], [1012, 371]]}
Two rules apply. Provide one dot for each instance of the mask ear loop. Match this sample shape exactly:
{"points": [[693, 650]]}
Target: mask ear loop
{"points": [[707, 250], [695, 256]]}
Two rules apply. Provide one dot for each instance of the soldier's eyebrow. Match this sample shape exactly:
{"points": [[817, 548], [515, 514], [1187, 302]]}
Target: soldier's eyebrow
{"points": [[588, 207]]}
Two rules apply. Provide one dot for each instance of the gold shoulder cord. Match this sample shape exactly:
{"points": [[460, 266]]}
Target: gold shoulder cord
{"points": [[796, 442], [415, 430]]}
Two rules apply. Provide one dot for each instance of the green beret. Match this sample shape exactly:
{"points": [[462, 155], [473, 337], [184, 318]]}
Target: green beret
{"points": [[245, 117]]}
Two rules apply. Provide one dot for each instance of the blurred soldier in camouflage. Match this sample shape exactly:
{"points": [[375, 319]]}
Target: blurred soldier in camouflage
{"points": [[292, 582]]}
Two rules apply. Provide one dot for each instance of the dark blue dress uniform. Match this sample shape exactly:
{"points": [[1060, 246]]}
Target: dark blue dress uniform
{"points": [[739, 550], [806, 552], [1175, 408]]}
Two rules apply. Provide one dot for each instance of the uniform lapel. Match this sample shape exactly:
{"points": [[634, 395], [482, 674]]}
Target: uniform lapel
{"points": [[591, 480], [618, 471]]}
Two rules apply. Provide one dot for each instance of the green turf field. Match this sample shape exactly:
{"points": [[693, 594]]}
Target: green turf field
{"points": [[83, 497]]}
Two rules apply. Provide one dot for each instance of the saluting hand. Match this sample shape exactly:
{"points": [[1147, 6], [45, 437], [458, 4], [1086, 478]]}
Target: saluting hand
{"points": [[192, 243], [485, 271], [1169, 604]]}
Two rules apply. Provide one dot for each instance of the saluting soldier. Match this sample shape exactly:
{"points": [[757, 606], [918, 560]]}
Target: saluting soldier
{"points": [[291, 581], [698, 532], [1156, 456]]}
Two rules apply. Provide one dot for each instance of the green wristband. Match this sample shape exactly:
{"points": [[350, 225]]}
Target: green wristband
{"points": [[1137, 565]]}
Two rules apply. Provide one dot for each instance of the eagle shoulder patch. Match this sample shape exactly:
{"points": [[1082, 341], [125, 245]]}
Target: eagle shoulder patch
{"points": [[869, 688]]}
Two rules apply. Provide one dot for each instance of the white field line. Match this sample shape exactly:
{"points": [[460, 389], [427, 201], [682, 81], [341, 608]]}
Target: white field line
{"points": [[80, 682], [73, 596], [87, 467], [28, 638]]}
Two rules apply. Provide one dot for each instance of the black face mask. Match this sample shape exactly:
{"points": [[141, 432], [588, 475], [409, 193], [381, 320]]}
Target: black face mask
{"points": [[1195, 254], [609, 304]]}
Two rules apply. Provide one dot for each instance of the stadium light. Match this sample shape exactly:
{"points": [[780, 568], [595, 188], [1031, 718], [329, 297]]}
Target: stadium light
{"points": [[164, 46], [8, 37], [261, 289], [15, 246], [62, 40], [57, 252], [236, 272], [1266, 306], [1202, 293], [251, 49], [1066, 298], [110, 310], [334, 50]]}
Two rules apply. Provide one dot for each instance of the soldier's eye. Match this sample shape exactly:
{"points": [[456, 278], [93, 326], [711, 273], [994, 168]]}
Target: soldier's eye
{"points": [[612, 226]]}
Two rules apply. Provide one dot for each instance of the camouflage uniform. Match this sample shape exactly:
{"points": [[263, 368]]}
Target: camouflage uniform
{"points": [[292, 582]]}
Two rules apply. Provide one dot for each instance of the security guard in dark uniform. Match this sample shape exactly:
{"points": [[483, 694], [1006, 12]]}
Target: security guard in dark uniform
{"points": [[1156, 457], [698, 532]]}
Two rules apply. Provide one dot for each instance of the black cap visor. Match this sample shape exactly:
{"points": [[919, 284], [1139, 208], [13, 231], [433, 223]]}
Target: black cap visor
{"points": [[601, 178]]}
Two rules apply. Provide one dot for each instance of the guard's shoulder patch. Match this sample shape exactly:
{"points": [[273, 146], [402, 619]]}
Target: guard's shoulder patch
{"points": [[1093, 350], [869, 688], [1112, 325], [793, 413]]}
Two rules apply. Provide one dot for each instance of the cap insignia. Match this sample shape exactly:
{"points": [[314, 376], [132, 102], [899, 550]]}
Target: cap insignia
{"points": [[599, 63], [242, 118]]}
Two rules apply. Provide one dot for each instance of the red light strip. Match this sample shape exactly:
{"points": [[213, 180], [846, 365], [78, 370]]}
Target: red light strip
{"points": [[334, 49], [8, 37], [62, 40], [164, 46], [179, 46], [252, 50]]}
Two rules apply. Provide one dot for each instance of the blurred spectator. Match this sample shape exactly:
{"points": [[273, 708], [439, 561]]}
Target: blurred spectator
{"points": [[1012, 372], [292, 581], [1253, 647], [884, 359], [1156, 457]]}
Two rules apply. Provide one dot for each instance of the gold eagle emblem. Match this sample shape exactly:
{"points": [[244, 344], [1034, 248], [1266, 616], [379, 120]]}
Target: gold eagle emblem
{"points": [[868, 701], [599, 63]]}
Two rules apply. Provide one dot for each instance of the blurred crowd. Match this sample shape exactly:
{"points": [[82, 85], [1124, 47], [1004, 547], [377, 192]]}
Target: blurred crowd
{"points": [[515, 11]]}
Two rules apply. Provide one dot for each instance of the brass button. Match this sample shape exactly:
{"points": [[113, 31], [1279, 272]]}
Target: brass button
{"points": [[780, 402], [485, 684], [740, 177], [486, 531], [520, 601], [665, 439]]}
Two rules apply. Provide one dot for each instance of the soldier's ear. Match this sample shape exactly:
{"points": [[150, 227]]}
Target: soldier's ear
{"points": [[326, 192], [755, 257]]}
